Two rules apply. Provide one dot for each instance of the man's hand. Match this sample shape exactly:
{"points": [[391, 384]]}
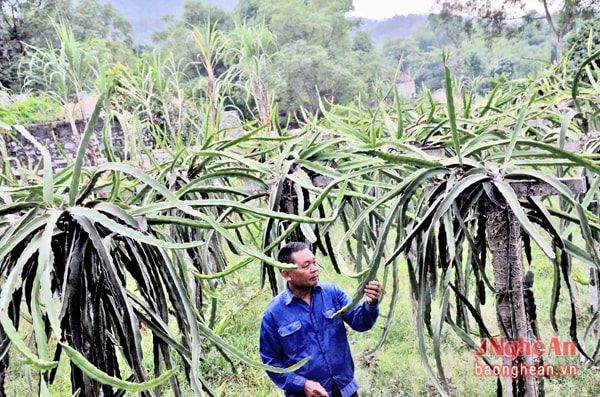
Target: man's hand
{"points": [[372, 292], [314, 389]]}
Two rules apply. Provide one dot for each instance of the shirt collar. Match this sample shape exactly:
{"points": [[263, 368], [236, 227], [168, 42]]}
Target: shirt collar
{"points": [[288, 296]]}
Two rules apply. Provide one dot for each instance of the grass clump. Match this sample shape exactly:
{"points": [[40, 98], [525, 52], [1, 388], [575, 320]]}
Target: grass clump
{"points": [[29, 110]]}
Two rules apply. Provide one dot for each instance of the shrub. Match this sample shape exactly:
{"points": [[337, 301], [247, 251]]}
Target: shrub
{"points": [[30, 110]]}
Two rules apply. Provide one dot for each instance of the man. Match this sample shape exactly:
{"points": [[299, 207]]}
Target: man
{"points": [[299, 323]]}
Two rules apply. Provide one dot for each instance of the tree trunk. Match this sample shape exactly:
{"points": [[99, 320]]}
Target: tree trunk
{"points": [[504, 240]]}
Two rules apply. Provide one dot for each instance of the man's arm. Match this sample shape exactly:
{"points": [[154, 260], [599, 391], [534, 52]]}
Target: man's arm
{"points": [[363, 317]]}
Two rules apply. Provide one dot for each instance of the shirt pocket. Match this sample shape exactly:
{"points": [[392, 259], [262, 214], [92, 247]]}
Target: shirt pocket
{"points": [[328, 314], [292, 337], [332, 324]]}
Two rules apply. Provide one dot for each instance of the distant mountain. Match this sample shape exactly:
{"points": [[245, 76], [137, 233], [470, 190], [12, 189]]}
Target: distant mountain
{"points": [[146, 15], [397, 26]]}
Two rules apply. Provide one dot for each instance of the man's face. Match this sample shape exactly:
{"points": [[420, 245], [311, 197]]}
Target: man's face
{"points": [[307, 273]]}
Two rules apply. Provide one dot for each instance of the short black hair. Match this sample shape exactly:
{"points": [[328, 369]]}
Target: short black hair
{"points": [[285, 254]]}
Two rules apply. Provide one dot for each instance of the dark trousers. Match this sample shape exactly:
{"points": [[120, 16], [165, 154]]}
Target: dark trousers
{"points": [[336, 392]]}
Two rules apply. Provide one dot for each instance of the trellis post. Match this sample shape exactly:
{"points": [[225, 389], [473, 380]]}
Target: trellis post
{"points": [[504, 239]]}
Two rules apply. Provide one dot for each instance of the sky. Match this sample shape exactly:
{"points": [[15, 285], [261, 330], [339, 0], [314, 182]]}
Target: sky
{"points": [[381, 9]]}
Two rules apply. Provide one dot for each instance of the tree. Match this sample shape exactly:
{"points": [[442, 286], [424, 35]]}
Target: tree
{"points": [[321, 23], [583, 41], [419, 55], [364, 59], [92, 20], [22, 21], [305, 75], [499, 16], [30, 22], [195, 13], [176, 38], [246, 10], [504, 67], [332, 57], [316, 59], [179, 40], [473, 64]]}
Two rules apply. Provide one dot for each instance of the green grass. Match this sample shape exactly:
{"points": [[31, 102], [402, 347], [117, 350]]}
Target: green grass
{"points": [[31, 110]]}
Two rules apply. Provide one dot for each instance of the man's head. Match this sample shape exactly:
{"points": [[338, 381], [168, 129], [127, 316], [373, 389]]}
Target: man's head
{"points": [[307, 273]]}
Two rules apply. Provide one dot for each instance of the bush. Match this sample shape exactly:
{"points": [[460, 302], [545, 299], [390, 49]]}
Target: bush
{"points": [[30, 110]]}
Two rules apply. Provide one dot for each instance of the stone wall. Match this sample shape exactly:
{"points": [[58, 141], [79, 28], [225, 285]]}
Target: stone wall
{"points": [[58, 137]]}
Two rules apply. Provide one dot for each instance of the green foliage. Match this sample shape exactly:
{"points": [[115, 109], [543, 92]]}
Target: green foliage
{"points": [[103, 244], [178, 41], [473, 64], [196, 13], [319, 23], [93, 20], [35, 18], [64, 72], [583, 41], [418, 55], [30, 110], [498, 18], [316, 60], [31, 23], [251, 64], [306, 75], [152, 92], [504, 67]]}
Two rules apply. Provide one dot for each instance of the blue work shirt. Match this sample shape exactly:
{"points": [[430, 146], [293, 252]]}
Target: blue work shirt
{"points": [[292, 330]]}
